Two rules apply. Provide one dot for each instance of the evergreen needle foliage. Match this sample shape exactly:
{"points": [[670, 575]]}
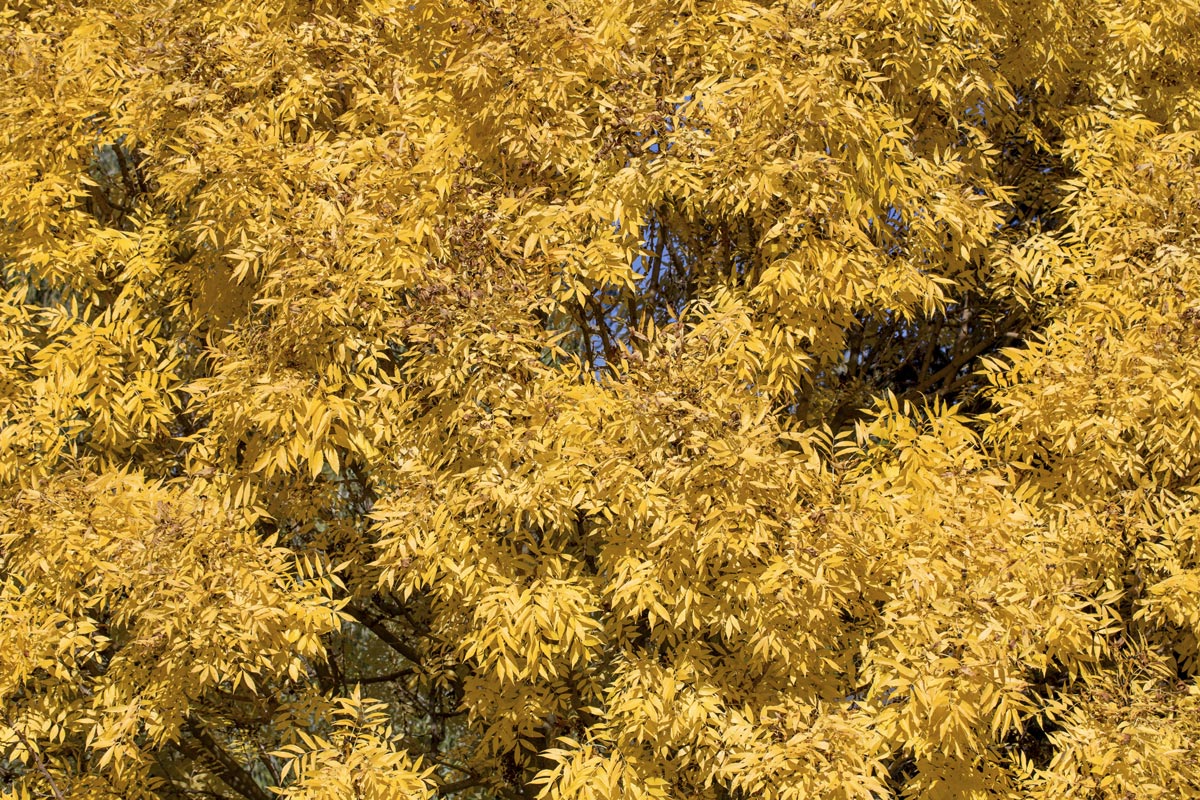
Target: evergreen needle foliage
{"points": [[582, 400]]}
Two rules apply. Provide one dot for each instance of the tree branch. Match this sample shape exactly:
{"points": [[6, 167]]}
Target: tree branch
{"points": [[460, 785], [375, 625], [229, 770], [388, 678], [38, 762]]}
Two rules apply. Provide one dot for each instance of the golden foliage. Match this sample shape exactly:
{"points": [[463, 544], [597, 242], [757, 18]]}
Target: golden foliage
{"points": [[572, 400]]}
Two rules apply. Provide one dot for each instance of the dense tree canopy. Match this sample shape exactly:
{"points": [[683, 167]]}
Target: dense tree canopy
{"points": [[584, 399]]}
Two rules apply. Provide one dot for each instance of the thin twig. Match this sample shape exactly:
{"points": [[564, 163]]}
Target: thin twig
{"points": [[38, 762]]}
